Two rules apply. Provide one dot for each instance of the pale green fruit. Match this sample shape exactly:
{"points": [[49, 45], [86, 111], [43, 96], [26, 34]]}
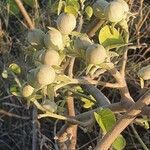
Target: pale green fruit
{"points": [[31, 78], [95, 54], [27, 91], [53, 39], [124, 4], [82, 42], [98, 8], [49, 105], [114, 12], [36, 38], [50, 58], [66, 23], [144, 73], [45, 75]]}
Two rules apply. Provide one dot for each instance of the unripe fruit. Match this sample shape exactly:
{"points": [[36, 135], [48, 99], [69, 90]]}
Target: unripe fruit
{"points": [[50, 58], [36, 38], [98, 8], [144, 73], [124, 4], [31, 78], [49, 105], [82, 42], [53, 39], [45, 75], [66, 23], [114, 12], [95, 54], [27, 91]]}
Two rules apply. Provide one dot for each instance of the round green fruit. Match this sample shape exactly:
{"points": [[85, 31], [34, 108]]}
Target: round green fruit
{"points": [[98, 8], [95, 54], [114, 12], [144, 73], [50, 58], [36, 38], [31, 78], [53, 39], [124, 4], [66, 23], [45, 75], [82, 42], [27, 91]]}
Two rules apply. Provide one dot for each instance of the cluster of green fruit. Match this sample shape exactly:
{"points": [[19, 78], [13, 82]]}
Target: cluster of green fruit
{"points": [[48, 48], [115, 11], [50, 45]]}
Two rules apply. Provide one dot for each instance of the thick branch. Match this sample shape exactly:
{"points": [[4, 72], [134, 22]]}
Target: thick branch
{"points": [[123, 122]]}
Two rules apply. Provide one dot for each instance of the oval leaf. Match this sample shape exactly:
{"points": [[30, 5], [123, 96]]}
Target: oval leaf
{"points": [[15, 68], [71, 10], [109, 37], [119, 143], [89, 11], [105, 119]]}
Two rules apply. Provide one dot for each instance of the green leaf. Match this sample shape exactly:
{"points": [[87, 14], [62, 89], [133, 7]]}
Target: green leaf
{"points": [[14, 90], [105, 119], [87, 103], [71, 10], [60, 5], [113, 54], [89, 67], [79, 89], [110, 36], [15, 68], [119, 143], [73, 3], [50, 92], [30, 3], [143, 122], [5, 74], [13, 7], [63, 78], [89, 11]]}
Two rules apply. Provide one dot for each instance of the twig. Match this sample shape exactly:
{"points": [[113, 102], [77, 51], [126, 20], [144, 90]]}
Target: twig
{"points": [[139, 138], [35, 129], [94, 28], [12, 115], [124, 91], [124, 62], [25, 14], [123, 122]]}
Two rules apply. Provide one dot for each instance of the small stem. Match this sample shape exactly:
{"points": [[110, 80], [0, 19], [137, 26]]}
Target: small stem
{"points": [[139, 138], [124, 62], [47, 113], [35, 129]]}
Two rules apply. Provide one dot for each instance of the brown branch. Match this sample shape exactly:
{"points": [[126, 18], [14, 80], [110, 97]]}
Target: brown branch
{"points": [[25, 14], [87, 80], [124, 91], [123, 122], [95, 28]]}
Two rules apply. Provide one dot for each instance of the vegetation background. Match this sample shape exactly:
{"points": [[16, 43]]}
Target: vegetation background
{"points": [[16, 122]]}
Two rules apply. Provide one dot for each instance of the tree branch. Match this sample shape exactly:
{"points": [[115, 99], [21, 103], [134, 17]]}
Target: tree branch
{"points": [[123, 122], [25, 14]]}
